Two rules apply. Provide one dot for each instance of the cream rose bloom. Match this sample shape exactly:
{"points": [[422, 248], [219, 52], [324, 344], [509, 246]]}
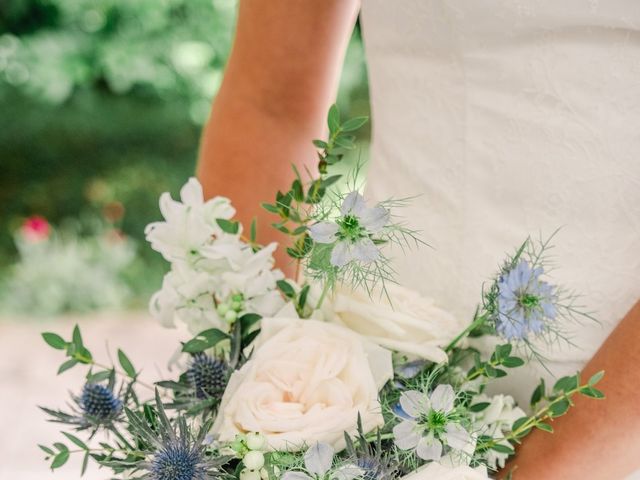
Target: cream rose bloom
{"points": [[409, 324], [436, 471], [305, 383]]}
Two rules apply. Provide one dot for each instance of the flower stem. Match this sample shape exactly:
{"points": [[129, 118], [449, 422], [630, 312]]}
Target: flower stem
{"points": [[325, 290], [477, 321]]}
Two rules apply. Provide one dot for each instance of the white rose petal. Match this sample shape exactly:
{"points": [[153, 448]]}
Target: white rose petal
{"points": [[408, 323], [306, 382]]}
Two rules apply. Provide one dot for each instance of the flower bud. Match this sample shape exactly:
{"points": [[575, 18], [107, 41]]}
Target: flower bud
{"points": [[222, 309], [256, 441], [254, 460], [230, 316], [247, 474]]}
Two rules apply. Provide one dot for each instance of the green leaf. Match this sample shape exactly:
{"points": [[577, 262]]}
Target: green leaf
{"points": [[333, 119], [297, 190], [559, 408], [67, 365], [592, 392], [99, 376], [228, 226], [270, 208], [76, 440], [126, 364], [566, 384], [538, 393], [46, 450], [286, 289], [478, 407], [544, 427], [512, 362], [354, 123], [320, 144], [60, 459], [327, 182], [85, 462], [503, 449], [204, 340], [518, 424], [302, 298], [248, 320], [54, 340], [596, 378], [77, 337], [253, 235], [345, 143]]}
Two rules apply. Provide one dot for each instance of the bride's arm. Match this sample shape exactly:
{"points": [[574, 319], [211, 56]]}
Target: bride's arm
{"points": [[599, 439], [280, 80]]}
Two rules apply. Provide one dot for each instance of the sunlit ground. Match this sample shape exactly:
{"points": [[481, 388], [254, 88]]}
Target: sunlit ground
{"points": [[28, 373]]}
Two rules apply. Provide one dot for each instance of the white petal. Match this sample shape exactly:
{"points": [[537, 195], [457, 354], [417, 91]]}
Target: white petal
{"points": [[341, 254], [353, 204], [442, 398], [295, 476], [457, 437], [429, 448], [191, 193], [374, 219], [319, 458], [414, 403], [348, 472], [405, 435], [323, 232], [365, 250]]}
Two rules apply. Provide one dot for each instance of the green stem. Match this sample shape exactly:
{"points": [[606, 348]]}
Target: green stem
{"points": [[478, 321], [89, 361], [540, 416], [325, 289]]}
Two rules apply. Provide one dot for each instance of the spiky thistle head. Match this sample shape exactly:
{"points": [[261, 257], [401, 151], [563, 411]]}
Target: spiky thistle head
{"points": [[99, 404], [208, 376], [177, 460]]}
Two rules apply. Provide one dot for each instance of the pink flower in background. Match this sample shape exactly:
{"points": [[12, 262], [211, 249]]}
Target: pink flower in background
{"points": [[35, 229]]}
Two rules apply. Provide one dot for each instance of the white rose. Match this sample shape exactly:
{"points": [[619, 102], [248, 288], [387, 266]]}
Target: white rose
{"points": [[436, 471], [306, 382], [409, 324]]}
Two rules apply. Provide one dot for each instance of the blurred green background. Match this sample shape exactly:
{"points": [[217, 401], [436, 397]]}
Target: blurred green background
{"points": [[102, 103]]}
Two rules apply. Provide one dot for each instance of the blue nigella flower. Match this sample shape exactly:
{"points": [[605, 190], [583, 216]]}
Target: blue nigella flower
{"points": [[178, 461], [524, 302], [207, 375], [99, 404]]}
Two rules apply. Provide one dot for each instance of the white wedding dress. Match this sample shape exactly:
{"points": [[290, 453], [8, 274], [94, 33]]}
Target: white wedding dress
{"points": [[510, 118]]}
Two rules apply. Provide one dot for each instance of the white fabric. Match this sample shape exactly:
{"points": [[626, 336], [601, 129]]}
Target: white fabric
{"points": [[512, 118]]}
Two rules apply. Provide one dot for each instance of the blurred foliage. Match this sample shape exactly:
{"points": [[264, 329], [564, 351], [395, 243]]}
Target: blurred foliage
{"points": [[102, 103]]}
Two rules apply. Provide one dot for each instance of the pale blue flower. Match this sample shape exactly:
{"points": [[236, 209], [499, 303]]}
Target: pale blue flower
{"points": [[524, 302], [429, 424], [351, 232]]}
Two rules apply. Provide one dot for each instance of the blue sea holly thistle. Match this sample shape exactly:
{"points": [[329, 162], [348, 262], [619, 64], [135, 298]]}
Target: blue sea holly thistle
{"points": [[207, 376], [99, 405], [430, 423], [524, 302], [352, 233]]}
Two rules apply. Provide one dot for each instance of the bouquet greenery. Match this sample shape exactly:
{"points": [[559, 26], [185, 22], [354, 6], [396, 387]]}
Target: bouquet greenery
{"points": [[340, 374]]}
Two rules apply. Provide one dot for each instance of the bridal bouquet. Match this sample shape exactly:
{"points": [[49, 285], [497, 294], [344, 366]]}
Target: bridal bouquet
{"points": [[338, 374]]}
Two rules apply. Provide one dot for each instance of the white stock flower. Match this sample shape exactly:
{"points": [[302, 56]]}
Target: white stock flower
{"points": [[306, 382], [436, 471], [496, 420], [188, 225], [429, 424], [352, 231], [404, 321], [208, 266]]}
